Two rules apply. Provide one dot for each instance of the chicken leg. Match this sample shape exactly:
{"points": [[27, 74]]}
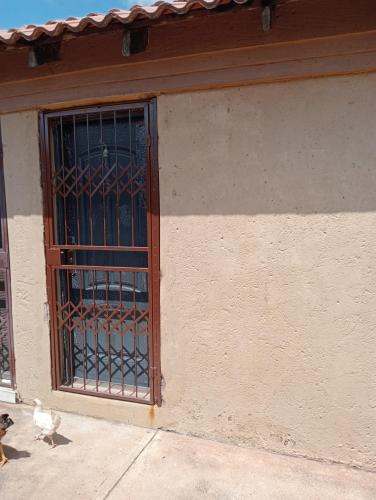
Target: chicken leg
{"points": [[3, 458], [42, 436], [51, 438]]}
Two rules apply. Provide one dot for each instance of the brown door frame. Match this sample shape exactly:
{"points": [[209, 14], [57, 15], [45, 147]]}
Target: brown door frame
{"points": [[52, 257], [4, 266]]}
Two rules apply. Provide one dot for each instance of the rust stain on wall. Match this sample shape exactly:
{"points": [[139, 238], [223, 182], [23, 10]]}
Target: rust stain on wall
{"points": [[151, 415]]}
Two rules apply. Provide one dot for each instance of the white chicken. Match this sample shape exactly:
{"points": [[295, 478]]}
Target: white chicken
{"points": [[47, 421]]}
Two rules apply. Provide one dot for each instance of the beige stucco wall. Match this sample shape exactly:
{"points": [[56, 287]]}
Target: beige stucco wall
{"points": [[268, 241]]}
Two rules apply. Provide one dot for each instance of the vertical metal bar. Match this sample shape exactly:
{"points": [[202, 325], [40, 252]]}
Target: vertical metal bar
{"points": [[83, 331], [50, 236], [121, 332], [150, 329], [108, 328], [154, 245], [132, 171], [56, 331], [77, 173], [132, 242], [95, 332], [103, 188], [64, 181], [150, 379], [89, 179], [134, 333], [117, 183]]}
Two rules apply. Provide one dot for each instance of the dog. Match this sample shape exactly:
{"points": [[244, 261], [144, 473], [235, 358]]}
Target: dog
{"points": [[5, 423]]}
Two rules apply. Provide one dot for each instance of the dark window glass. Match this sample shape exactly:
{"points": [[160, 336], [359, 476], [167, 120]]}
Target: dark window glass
{"points": [[100, 179]]}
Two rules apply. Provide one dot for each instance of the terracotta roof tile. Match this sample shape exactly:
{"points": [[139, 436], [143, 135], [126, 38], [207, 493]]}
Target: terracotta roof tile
{"points": [[54, 28]]}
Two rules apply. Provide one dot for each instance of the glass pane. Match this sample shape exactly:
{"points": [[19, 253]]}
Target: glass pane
{"points": [[105, 258], [100, 179]]}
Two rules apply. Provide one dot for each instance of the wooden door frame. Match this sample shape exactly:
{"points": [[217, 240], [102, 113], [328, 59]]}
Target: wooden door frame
{"points": [[154, 303], [4, 265]]}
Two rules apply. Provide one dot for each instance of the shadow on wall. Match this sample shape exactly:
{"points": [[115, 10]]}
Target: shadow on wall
{"points": [[298, 182], [302, 148]]}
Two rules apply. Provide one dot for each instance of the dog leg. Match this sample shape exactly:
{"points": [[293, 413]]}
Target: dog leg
{"points": [[3, 458]]}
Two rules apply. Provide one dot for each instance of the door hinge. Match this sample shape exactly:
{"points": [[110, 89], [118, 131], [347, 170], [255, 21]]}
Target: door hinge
{"points": [[46, 312]]}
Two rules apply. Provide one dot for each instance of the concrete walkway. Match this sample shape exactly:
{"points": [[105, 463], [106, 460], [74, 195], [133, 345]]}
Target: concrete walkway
{"points": [[96, 459]]}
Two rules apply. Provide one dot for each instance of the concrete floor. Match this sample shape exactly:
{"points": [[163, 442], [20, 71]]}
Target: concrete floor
{"points": [[96, 459]]}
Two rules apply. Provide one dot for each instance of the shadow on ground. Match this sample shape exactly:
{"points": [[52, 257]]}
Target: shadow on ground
{"points": [[14, 454], [59, 439]]}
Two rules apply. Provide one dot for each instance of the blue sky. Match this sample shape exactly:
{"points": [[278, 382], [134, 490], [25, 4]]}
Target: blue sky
{"points": [[16, 13]]}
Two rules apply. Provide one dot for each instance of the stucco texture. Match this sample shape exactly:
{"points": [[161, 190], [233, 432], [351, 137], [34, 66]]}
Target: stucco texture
{"points": [[268, 216]]}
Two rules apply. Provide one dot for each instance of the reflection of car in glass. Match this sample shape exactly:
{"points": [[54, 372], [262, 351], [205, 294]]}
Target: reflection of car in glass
{"points": [[125, 287], [112, 287], [119, 307]]}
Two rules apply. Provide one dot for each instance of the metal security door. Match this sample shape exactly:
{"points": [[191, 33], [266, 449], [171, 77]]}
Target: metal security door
{"points": [[7, 363], [101, 205]]}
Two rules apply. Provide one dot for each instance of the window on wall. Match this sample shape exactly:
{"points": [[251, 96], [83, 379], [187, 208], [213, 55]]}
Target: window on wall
{"points": [[7, 367]]}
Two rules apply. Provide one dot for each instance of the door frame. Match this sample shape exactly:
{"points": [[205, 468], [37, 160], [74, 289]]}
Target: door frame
{"points": [[5, 266], [154, 302]]}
